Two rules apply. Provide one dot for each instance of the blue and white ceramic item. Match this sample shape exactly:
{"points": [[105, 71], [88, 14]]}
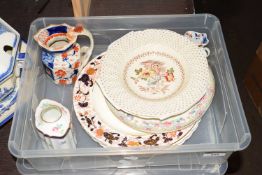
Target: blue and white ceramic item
{"points": [[198, 38], [9, 81], [20, 58], [22, 50], [8, 101], [7, 104], [8, 46], [7, 42]]}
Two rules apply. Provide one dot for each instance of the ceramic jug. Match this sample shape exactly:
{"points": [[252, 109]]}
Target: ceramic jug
{"points": [[62, 56]]}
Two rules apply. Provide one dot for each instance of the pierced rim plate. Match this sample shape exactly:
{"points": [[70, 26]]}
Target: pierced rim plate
{"points": [[173, 123], [100, 131], [160, 72]]}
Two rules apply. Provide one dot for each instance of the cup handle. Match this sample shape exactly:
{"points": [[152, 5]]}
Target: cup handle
{"points": [[207, 50], [86, 51]]}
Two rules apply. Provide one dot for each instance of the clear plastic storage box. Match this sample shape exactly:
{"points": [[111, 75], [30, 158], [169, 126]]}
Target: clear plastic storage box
{"points": [[25, 168], [222, 130]]}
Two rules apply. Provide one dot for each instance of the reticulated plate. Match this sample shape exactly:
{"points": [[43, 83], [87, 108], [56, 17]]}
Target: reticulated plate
{"points": [[100, 131], [173, 123], [160, 72]]}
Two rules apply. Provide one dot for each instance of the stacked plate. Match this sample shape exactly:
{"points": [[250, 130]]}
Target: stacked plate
{"points": [[150, 88]]}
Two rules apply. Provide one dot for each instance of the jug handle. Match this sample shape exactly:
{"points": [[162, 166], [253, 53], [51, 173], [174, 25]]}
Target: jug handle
{"points": [[86, 51]]}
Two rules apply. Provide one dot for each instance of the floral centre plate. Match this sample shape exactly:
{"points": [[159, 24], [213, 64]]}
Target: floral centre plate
{"points": [[173, 123], [154, 75], [160, 72], [100, 131]]}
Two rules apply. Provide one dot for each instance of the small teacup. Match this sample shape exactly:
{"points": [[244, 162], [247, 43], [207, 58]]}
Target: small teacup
{"points": [[54, 125], [199, 39], [62, 57]]}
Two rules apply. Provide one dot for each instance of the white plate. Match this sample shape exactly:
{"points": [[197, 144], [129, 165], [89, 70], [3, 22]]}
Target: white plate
{"points": [[103, 132], [160, 72], [102, 110], [175, 122]]}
